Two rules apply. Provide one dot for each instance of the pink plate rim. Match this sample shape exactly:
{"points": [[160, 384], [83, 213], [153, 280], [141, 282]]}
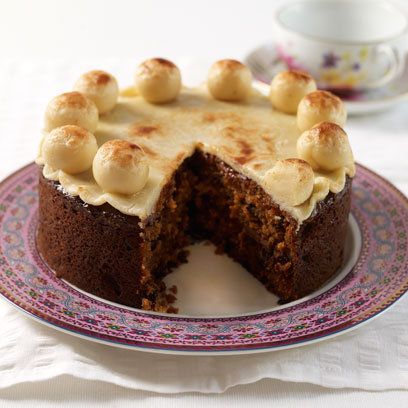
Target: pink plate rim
{"points": [[377, 281]]}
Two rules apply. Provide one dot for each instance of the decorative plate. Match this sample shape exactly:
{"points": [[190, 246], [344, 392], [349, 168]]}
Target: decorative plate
{"points": [[373, 277], [265, 62]]}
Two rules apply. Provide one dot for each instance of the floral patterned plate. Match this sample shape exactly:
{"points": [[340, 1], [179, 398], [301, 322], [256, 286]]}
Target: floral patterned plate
{"points": [[379, 277], [267, 60]]}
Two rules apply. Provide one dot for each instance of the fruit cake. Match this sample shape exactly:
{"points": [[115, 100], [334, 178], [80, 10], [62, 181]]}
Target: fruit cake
{"points": [[129, 178]]}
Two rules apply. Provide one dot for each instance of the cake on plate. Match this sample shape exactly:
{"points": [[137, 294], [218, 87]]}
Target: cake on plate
{"points": [[128, 179]]}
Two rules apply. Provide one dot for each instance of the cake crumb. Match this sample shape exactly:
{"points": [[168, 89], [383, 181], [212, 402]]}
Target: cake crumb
{"points": [[173, 289], [172, 309], [146, 304], [170, 298], [161, 309]]}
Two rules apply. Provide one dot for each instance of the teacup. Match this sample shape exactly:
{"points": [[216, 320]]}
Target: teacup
{"points": [[343, 44]]}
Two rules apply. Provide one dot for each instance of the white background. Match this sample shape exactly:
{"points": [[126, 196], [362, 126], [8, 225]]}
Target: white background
{"points": [[96, 32]]}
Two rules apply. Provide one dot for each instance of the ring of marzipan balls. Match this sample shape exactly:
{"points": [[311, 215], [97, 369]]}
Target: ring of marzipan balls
{"points": [[69, 148], [325, 147], [119, 167], [71, 108], [320, 106], [229, 80], [101, 87], [288, 88], [290, 181], [158, 80]]}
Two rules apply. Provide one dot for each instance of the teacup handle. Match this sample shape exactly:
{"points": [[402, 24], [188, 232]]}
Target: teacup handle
{"points": [[394, 65]]}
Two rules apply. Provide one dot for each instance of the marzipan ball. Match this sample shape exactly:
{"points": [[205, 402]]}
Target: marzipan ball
{"points": [[290, 181], [288, 88], [69, 148], [229, 80], [101, 87], [119, 167], [71, 108], [320, 106], [325, 147], [158, 80]]}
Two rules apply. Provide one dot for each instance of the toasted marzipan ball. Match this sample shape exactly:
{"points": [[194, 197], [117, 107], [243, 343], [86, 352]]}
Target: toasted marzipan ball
{"points": [[69, 148], [101, 87], [229, 80], [288, 88], [71, 108], [119, 167], [325, 147], [158, 80], [320, 106], [290, 181]]}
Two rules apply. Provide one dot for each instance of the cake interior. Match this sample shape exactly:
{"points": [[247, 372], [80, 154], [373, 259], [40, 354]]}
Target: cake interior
{"points": [[207, 200]]}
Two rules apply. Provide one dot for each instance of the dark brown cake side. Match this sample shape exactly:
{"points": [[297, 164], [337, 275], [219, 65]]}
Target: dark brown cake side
{"points": [[118, 258], [107, 253]]}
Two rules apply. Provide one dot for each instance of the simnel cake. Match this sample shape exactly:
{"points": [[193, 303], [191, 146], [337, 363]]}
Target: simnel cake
{"points": [[128, 179]]}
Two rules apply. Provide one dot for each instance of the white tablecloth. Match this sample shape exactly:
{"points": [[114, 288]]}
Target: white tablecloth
{"points": [[77, 40]]}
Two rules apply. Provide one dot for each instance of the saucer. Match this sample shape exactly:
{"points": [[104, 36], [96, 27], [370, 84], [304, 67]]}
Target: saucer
{"points": [[264, 63]]}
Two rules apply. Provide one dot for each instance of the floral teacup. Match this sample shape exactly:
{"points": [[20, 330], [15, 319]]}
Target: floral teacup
{"points": [[343, 44]]}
